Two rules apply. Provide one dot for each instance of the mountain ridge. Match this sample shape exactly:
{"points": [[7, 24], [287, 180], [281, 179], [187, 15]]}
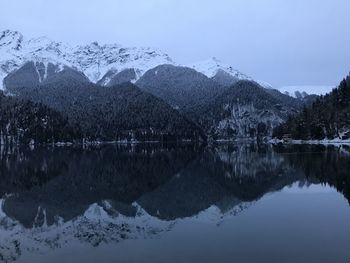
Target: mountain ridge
{"points": [[94, 60], [121, 112], [100, 63]]}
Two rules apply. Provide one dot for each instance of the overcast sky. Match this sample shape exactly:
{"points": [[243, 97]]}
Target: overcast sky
{"points": [[283, 42]]}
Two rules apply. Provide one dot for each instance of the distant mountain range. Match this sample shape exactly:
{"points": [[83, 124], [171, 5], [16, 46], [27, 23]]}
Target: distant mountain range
{"points": [[99, 63], [302, 91], [94, 60], [115, 93]]}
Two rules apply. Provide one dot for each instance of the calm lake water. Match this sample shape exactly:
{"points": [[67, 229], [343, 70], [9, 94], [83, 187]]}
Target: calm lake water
{"points": [[229, 203]]}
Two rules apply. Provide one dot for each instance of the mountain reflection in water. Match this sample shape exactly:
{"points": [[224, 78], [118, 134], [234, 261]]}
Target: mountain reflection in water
{"points": [[52, 197]]}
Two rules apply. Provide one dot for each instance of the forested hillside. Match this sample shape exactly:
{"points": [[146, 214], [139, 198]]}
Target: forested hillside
{"points": [[327, 118], [113, 113], [183, 88], [26, 122], [245, 110]]}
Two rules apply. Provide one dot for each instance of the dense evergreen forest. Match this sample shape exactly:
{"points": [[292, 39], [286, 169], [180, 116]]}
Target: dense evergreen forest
{"points": [[169, 104], [122, 112], [245, 110], [327, 118], [22, 121]]}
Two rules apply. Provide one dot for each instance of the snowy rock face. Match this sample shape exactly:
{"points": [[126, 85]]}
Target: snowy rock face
{"points": [[106, 65], [212, 66], [246, 110], [113, 77], [223, 74], [93, 60], [244, 121]]}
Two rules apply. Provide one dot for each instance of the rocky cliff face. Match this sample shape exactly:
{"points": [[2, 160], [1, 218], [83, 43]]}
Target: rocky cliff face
{"points": [[245, 110]]}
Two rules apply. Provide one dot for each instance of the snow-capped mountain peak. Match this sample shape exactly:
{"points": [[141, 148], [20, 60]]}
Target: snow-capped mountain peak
{"points": [[96, 60], [101, 63], [93, 59], [212, 66]]}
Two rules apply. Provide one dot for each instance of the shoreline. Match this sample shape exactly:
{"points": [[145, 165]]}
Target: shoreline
{"points": [[311, 142], [226, 141]]}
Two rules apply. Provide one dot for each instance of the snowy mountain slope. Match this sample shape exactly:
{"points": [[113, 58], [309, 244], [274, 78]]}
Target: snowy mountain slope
{"points": [[212, 66], [100, 63], [265, 84], [115, 77], [93, 60], [222, 73]]}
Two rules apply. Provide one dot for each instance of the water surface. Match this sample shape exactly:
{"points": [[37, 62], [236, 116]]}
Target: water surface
{"points": [[184, 203]]}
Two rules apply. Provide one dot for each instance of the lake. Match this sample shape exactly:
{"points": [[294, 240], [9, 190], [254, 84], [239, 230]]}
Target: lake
{"points": [[175, 203]]}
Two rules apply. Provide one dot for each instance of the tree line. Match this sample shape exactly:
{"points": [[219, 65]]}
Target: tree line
{"points": [[327, 118]]}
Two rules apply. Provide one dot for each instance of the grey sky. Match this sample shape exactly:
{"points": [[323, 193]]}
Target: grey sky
{"points": [[284, 42]]}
